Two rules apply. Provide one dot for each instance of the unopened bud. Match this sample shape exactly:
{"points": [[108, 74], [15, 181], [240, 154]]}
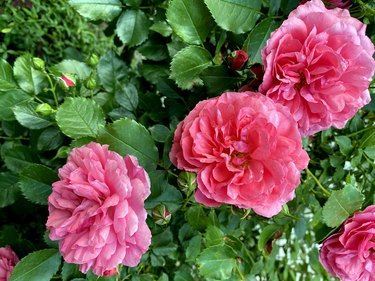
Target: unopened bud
{"points": [[238, 59], [45, 109], [161, 215], [92, 60], [187, 182], [66, 81], [38, 64], [63, 152], [90, 83]]}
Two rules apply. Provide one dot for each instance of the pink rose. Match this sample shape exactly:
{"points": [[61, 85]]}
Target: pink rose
{"points": [[343, 4], [246, 150], [8, 260], [97, 211], [319, 64], [350, 253]]}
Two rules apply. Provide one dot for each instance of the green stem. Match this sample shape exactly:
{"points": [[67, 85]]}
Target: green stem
{"points": [[325, 191], [359, 132], [239, 272], [53, 88]]}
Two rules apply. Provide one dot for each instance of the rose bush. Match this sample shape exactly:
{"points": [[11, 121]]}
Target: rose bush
{"points": [[96, 210], [8, 260], [246, 150], [349, 254], [319, 64]]}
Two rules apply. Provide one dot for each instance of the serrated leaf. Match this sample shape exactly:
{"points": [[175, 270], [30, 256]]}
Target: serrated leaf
{"points": [[368, 138], [36, 181], [77, 68], [238, 16], [37, 266], [127, 97], [162, 28], [214, 236], [163, 193], [7, 82], [126, 136], [219, 78], [345, 144], [51, 138], [28, 79], [160, 133], [370, 152], [105, 10], [190, 19], [80, 117], [132, 27], [27, 116], [10, 99], [162, 243], [112, 72], [257, 39], [341, 205], [194, 247], [196, 217], [188, 64], [8, 189], [217, 262], [17, 158]]}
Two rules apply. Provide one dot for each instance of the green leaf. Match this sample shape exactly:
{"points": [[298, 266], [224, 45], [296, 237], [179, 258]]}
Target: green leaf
{"points": [[27, 116], [188, 64], [126, 136], [30, 80], [10, 99], [76, 68], [368, 138], [267, 235], [36, 181], [105, 10], [127, 97], [214, 236], [196, 217], [163, 193], [112, 72], [217, 262], [80, 117], [51, 138], [160, 133], [162, 28], [7, 82], [341, 205], [238, 16], [132, 27], [190, 19], [194, 248], [17, 158], [219, 78], [257, 39], [370, 151], [37, 266], [345, 144], [8, 189], [162, 243]]}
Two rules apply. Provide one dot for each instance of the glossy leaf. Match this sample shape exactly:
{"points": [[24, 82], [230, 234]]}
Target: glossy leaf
{"points": [[10, 99], [188, 64], [27, 116], [132, 27], [80, 117], [7, 81], [127, 97], [105, 10], [8, 189], [72, 67]]}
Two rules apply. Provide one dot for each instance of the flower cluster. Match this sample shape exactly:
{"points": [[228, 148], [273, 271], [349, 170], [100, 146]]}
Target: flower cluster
{"points": [[96, 210]]}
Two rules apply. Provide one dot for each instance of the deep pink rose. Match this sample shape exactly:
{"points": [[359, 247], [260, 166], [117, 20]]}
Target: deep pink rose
{"points": [[8, 260], [97, 211], [246, 150], [319, 64], [350, 253]]}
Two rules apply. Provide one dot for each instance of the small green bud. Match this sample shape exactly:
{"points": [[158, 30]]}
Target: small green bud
{"points": [[187, 182], [38, 64], [45, 109], [92, 60], [161, 215], [90, 83], [63, 152]]}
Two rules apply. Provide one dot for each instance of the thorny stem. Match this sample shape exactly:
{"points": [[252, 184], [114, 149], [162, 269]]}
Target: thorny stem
{"points": [[325, 191]]}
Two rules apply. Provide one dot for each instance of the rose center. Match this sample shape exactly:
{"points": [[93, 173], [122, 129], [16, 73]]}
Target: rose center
{"points": [[239, 159], [302, 82]]}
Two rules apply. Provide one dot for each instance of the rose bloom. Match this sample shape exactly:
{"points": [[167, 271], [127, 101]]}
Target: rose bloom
{"points": [[319, 64], [350, 253], [8, 260], [246, 150], [97, 211], [343, 4]]}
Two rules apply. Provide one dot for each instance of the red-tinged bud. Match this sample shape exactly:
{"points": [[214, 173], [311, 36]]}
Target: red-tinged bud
{"points": [[161, 215], [110, 272], [238, 59], [67, 80], [258, 71]]}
